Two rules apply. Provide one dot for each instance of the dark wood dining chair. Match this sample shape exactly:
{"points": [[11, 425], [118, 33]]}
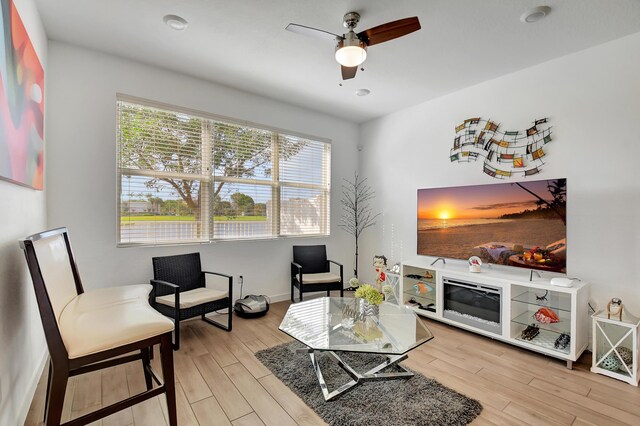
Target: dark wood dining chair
{"points": [[88, 331]]}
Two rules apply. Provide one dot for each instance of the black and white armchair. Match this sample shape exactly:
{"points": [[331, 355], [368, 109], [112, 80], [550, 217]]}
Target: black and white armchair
{"points": [[310, 271], [180, 291]]}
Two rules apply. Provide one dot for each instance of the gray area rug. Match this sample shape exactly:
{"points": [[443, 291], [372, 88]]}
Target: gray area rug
{"points": [[414, 401]]}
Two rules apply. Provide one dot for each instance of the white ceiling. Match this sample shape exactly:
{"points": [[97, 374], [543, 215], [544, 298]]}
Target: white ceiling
{"points": [[243, 44]]}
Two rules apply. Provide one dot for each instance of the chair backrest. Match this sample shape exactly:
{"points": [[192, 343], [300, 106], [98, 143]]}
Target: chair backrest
{"points": [[313, 259], [55, 278], [183, 270]]}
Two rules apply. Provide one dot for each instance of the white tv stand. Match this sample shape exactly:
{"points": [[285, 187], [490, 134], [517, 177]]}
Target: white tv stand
{"points": [[519, 293]]}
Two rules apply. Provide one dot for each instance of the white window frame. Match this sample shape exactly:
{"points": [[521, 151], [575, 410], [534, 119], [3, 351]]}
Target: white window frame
{"points": [[208, 180]]}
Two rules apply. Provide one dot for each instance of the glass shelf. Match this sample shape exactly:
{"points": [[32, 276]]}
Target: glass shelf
{"points": [[556, 301], [419, 274], [545, 339], [527, 318], [411, 276], [422, 298], [418, 309]]}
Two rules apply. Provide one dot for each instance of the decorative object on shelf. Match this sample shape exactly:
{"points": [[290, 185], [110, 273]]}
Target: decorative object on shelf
{"points": [[506, 153], [414, 276], [611, 362], [21, 104], [542, 298], [357, 213], [380, 264], [614, 307], [427, 275], [475, 264], [422, 287], [562, 341], [431, 307], [530, 332], [395, 269], [546, 316], [626, 355]]}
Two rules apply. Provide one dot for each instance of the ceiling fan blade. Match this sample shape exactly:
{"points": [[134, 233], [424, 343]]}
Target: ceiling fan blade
{"points": [[389, 31], [348, 72], [313, 32]]}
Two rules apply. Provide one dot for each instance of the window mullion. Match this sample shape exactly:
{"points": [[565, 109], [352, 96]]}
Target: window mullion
{"points": [[205, 185], [275, 191]]}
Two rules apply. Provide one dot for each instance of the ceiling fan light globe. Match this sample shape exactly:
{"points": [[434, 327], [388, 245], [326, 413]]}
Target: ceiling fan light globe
{"points": [[351, 56]]}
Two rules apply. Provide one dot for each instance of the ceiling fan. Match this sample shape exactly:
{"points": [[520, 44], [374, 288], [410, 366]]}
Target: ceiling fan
{"points": [[351, 48]]}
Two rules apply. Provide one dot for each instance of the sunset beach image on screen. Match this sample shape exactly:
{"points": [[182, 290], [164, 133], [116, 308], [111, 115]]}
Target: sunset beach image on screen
{"points": [[520, 224]]}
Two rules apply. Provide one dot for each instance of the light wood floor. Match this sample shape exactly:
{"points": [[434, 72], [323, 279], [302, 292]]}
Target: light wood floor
{"points": [[220, 382]]}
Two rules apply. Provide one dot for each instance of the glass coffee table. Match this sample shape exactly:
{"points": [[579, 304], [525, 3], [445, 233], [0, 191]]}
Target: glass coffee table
{"points": [[335, 324]]}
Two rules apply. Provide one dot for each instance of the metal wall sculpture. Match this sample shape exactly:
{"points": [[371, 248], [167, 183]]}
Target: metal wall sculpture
{"points": [[505, 153]]}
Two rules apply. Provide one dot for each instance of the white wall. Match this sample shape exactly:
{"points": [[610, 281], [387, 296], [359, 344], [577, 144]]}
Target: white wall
{"points": [[82, 167], [22, 212], [593, 100]]}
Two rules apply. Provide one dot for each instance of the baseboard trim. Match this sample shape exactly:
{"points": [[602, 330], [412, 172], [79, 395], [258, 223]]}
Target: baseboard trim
{"points": [[280, 297], [35, 378]]}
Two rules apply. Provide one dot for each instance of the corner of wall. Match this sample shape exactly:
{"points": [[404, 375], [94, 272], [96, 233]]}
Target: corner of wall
{"points": [[23, 212]]}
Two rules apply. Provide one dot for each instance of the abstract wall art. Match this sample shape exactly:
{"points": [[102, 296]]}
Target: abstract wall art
{"points": [[21, 103], [506, 153]]}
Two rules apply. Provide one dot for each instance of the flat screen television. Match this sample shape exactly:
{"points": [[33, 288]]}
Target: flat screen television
{"points": [[520, 224]]}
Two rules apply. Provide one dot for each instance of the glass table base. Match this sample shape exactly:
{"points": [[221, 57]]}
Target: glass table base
{"points": [[357, 378]]}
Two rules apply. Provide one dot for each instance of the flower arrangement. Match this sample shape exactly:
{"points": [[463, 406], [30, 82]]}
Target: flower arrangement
{"points": [[370, 294]]}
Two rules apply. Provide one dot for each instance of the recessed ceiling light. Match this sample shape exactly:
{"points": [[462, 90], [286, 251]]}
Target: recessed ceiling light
{"points": [[535, 14], [175, 22], [362, 92]]}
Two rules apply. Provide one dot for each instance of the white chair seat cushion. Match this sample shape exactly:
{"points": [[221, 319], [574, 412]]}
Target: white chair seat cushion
{"points": [[87, 331], [195, 297], [320, 278], [96, 299]]}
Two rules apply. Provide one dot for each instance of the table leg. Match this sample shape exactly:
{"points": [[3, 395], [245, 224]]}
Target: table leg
{"points": [[356, 377]]}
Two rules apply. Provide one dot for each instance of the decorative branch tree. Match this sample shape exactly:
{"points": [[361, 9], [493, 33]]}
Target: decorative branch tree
{"points": [[357, 214]]}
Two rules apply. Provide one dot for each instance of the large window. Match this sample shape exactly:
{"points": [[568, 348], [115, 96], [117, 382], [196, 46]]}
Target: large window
{"points": [[187, 177]]}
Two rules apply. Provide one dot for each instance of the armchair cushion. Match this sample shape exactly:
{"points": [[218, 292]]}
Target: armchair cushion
{"points": [[320, 278], [91, 324], [195, 297]]}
